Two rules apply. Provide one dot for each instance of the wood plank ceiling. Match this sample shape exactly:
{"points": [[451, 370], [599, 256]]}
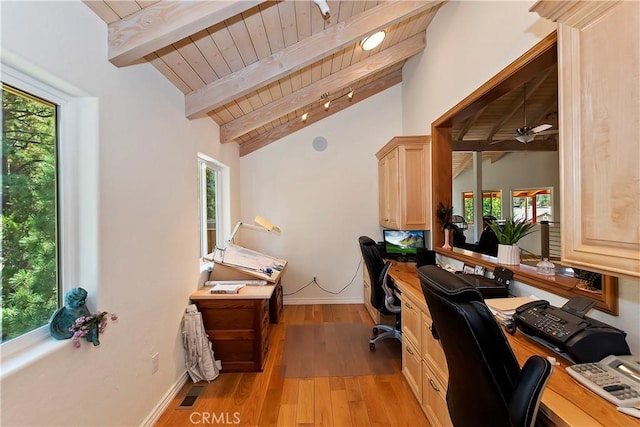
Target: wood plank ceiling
{"points": [[256, 67]]}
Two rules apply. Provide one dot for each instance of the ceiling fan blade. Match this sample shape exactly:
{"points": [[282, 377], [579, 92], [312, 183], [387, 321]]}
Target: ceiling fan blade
{"points": [[548, 132], [541, 128]]}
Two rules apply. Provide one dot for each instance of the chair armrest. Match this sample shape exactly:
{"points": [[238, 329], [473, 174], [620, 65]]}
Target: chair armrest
{"points": [[525, 401]]}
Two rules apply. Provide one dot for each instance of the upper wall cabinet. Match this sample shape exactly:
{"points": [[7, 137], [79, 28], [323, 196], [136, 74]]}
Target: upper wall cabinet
{"points": [[599, 109], [404, 183]]}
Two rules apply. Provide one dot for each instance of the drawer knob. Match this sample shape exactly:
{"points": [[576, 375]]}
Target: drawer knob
{"points": [[433, 385], [409, 350], [408, 305]]}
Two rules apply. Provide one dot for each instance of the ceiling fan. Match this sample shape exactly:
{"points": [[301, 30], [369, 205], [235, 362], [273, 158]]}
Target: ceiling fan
{"points": [[526, 134]]}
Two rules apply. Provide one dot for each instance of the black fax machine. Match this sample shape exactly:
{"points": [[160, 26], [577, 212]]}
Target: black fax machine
{"points": [[568, 332]]}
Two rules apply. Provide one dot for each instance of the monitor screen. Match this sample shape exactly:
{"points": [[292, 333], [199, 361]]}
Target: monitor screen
{"points": [[403, 242]]}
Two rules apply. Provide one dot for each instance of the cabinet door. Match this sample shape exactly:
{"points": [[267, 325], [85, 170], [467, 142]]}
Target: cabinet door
{"points": [[415, 189], [434, 400], [411, 323], [432, 351], [389, 189], [599, 102], [412, 368]]}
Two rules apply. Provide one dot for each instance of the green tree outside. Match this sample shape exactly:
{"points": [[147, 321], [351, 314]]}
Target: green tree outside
{"points": [[29, 213]]}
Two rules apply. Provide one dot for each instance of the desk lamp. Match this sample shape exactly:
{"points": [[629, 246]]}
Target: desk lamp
{"points": [[263, 225]]}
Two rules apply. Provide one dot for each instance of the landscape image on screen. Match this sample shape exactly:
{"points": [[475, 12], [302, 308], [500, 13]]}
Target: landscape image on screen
{"points": [[403, 241]]}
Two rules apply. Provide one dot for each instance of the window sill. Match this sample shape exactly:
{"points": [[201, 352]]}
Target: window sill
{"points": [[607, 301]]}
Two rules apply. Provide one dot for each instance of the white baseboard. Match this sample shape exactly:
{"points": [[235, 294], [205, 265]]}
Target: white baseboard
{"points": [[154, 416], [308, 301]]}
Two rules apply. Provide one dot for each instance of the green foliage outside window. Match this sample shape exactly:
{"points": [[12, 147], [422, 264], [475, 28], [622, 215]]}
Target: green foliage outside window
{"points": [[211, 196], [29, 213], [491, 205]]}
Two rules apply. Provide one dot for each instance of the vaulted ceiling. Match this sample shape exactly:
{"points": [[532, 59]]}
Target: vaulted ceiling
{"points": [[256, 67]]}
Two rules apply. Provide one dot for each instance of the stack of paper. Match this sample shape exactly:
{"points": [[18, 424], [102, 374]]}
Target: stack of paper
{"points": [[504, 308], [226, 288]]}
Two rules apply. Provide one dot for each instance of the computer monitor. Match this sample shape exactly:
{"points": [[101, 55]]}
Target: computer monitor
{"points": [[403, 243]]}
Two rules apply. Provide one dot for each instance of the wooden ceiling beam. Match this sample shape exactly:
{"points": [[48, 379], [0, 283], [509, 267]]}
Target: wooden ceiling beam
{"points": [[333, 83], [318, 114], [166, 22], [469, 123], [299, 55], [479, 145]]}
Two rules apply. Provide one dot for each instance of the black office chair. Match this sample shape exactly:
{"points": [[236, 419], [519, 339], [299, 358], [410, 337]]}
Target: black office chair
{"points": [[486, 385], [382, 297]]}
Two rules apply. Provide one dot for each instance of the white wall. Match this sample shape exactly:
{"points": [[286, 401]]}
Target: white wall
{"points": [[143, 253], [469, 42], [322, 201]]}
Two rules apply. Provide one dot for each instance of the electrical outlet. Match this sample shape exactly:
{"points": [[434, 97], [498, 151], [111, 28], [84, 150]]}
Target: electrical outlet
{"points": [[155, 363]]}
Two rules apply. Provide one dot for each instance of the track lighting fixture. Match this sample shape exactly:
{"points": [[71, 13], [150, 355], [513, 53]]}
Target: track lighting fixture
{"points": [[326, 101]]}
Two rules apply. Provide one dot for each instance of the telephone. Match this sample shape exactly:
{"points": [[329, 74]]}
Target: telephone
{"points": [[569, 332], [614, 378]]}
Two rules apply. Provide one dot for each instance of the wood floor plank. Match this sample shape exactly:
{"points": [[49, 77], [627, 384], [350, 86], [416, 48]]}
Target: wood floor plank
{"points": [[305, 412], [323, 415], [269, 399]]}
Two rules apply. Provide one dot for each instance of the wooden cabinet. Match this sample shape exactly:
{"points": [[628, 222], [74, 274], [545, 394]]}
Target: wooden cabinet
{"points": [[599, 106], [423, 362], [239, 331], [404, 183]]}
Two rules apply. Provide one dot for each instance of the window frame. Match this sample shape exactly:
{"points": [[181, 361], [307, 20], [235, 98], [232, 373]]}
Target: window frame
{"points": [[533, 193], [67, 199], [222, 202], [486, 194]]}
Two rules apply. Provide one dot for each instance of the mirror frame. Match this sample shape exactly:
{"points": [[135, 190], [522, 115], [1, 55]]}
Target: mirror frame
{"points": [[538, 58]]}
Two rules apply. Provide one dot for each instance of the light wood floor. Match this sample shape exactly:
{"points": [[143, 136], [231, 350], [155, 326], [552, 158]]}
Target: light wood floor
{"points": [[267, 399]]}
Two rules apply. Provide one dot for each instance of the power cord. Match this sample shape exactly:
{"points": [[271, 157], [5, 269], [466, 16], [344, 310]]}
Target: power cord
{"points": [[326, 290]]}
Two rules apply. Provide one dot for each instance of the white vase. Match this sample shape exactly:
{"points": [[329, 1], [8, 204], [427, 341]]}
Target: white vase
{"points": [[508, 254], [447, 243]]}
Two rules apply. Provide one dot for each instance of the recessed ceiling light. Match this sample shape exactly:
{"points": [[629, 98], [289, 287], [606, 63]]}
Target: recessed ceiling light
{"points": [[373, 40]]}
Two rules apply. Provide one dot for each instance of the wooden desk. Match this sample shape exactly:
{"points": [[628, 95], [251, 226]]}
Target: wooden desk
{"points": [[564, 401], [238, 325]]}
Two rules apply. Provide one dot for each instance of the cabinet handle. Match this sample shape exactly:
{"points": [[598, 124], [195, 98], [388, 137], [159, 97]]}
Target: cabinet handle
{"points": [[433, 385], [409, 350], [408, 305]]}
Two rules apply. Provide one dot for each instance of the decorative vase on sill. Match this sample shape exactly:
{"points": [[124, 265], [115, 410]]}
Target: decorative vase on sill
{"points": [[447, 233], [508, 254]]}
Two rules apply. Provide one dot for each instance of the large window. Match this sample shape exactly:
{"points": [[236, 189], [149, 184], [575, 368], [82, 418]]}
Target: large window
{"points": [[532, 204], [213, 182], [491, 204], [30, 247]]}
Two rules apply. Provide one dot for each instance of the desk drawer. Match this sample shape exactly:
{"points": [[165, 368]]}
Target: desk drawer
{"points": [[411, 368]]}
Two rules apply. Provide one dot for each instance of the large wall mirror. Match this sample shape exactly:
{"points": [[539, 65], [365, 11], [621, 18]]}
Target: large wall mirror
{"points": [[475, 151]]}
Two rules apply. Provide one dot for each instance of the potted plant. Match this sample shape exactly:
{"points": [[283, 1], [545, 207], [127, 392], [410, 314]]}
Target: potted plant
{"points": [[444, 215], [509, 232]]}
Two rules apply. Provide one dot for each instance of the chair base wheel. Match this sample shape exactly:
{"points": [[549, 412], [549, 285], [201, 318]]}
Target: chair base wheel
{"points": [[375, 331], [372, 347]]}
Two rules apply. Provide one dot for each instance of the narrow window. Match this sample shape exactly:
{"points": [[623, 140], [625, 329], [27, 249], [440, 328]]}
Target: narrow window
{"points": [[30, 247], [213, 184]]}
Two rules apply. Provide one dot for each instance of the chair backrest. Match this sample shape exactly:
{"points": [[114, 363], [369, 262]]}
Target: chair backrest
{"points": [[482, 367], [375, 264]]}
